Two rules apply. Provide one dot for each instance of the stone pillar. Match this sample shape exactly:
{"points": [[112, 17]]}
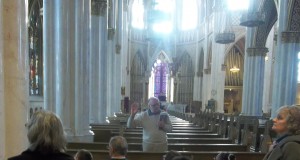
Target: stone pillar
{"points": [[113, 57], [109, 57], [286, 57], [125, 78], [66, 55], [98, 34], [253, 81], [218, 76], [268, 74], [80, 122], [55, 51], [14, 69]]}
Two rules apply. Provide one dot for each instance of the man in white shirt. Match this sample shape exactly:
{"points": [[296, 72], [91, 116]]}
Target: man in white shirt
{"points": [[155, 124]]}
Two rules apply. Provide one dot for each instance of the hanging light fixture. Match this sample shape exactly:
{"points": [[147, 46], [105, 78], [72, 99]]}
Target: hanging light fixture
{"points": [[252, 19], [234, 69], [226, 34]]}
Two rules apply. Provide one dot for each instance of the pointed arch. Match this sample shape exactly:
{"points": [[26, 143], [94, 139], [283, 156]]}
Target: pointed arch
{"points": [[137, 74], [185, 79]]}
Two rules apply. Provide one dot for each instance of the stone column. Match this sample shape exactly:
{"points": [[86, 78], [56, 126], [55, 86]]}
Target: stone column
{"points": [[80, 122], [66, 55], [98, 34], [14, 69], [109, 57], [286, 60], [268, 74], [113, 57], [56, 41], [253, 81]]}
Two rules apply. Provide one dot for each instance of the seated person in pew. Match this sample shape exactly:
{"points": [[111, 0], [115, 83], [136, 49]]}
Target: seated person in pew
{"points": [[118, 148], [287, 127], [46, 138], [83, 155], [155, 123], [181, 158], [171, 154], [225, 156]]}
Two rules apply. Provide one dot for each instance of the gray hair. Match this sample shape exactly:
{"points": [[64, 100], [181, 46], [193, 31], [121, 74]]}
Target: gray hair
{"points": [[153, 99], [119, 144], [46, 133], [293, 118]]}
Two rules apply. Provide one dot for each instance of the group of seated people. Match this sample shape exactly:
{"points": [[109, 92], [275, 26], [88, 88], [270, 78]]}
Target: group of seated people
{"points": [[47, 140]]}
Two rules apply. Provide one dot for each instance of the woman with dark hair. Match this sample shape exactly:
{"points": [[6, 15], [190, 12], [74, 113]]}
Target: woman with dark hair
{"points": [[83, 154], [46, 137], [287, 127], [225, 156]]}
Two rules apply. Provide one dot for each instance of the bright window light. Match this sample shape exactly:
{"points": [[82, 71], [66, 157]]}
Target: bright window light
{"points": [[238, 4], [298, 78], [164, 5], [189, 14], [163, 27], [165, 24], [138, 14]]}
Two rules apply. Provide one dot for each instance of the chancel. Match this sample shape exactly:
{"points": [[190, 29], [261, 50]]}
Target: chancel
{"points": [[87, 61]]}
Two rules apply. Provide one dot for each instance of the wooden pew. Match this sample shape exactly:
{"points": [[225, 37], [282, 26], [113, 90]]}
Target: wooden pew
{"points": [[187, 140], [173, 135], [177, 130], [137, 155], [171, 146]]}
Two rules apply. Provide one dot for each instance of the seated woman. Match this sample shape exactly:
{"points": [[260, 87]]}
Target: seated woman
{"points": [[287, 127], [46, 138], [225, 156]]}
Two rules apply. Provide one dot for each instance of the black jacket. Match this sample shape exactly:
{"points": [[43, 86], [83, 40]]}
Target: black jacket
{"points": [[35, 155], [287, 149]]}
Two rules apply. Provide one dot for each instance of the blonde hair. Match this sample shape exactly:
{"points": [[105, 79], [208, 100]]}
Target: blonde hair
{"points": [[46, 133], [292, 118]]}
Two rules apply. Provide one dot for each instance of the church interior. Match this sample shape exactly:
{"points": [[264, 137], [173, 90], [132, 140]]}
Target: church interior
{"points": [[206, 60]]}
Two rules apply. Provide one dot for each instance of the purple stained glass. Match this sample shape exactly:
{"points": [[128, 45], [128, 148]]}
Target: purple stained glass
{"points": [[160, 79]]}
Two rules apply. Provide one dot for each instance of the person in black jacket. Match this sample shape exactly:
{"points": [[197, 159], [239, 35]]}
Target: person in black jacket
{"points": [[46, 138], [287, 127]]}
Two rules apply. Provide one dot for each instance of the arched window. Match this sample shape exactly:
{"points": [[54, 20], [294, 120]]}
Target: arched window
{"points": [[189, 14], [35, 35], [160, 78]]}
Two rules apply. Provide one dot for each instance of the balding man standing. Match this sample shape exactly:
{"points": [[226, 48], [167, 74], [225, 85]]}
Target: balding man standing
{"points": [[155, 123]]}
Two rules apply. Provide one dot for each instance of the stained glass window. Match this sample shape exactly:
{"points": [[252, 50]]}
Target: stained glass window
{"points": [[160, 81], [35, 31]]}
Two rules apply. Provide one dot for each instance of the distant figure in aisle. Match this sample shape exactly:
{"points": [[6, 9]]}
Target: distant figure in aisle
{"points": [[155, 123], [46, 138]]}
